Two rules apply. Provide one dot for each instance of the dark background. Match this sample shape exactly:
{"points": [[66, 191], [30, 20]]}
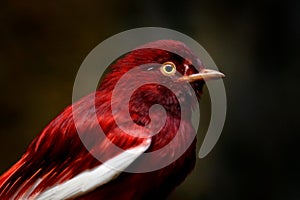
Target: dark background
{"points": [[255, 43]]}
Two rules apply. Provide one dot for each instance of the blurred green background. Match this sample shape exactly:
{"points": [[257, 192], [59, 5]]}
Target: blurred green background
{"points": [[255, 43]]}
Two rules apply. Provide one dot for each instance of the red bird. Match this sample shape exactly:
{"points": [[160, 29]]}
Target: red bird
{"points": [[57, 165]]}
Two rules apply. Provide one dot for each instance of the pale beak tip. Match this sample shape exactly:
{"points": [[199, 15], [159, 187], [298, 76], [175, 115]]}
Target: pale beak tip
{"points": [[222, 75], [205, 74]]}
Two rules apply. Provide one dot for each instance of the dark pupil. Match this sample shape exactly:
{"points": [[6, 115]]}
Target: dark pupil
{"points": [[169, 68]]}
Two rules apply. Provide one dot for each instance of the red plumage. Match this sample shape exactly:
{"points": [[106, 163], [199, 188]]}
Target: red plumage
{"points": [[57, 154]]}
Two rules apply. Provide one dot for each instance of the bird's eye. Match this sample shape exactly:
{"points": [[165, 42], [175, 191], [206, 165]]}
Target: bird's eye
{"points": [[168, 68]]}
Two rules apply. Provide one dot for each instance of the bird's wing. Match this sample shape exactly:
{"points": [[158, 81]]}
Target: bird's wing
{"points": [[57, 164], [55, 179], [91, 179]]}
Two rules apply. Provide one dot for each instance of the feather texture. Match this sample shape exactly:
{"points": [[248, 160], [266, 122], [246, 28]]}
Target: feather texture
{"points": [[57, 165]]}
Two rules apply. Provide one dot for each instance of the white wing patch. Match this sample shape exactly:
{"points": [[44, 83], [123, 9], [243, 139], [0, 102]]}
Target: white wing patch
{"points": [[91, 179]]}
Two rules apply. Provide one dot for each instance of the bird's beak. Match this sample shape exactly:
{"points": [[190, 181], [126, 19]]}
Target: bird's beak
{"points": [[204, 74]]}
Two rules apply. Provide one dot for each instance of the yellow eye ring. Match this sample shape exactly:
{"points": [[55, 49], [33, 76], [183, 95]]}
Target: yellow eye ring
{"points": [[168, 69]]}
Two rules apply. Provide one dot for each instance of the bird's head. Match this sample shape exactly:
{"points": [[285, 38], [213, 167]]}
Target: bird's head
{"points": [[164, 72]]}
